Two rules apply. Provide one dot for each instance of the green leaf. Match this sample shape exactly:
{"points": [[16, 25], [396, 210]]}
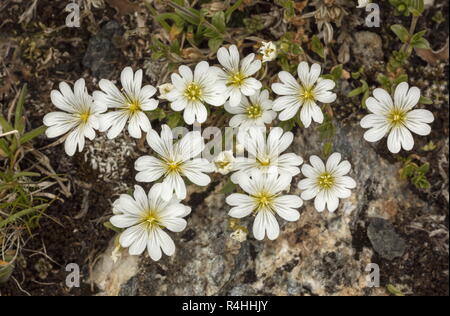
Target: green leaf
{"points": [[425, 100], [355, 92], [401, 32], [228, 188], [416, 7], [400, 79], [424, 168], [337, 71], [26, 174], [190, 15], [5, 124], [32, 134], [383, 80], [327, 149], [215, 43], [4, 149], [421, 43], [110, 226], [218, 20], [174, 119], [394, 291], [16, 216], [19, 121], [231, 9], [317, 47], [157, 114]]}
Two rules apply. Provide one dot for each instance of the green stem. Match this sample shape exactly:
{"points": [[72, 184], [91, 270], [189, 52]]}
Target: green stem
{"points": [[412, 29]]}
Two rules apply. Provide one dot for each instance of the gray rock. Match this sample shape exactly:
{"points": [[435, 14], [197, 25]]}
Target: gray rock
{"points": [[102, 54], [367, 48], [386, 242], [321, 254]]}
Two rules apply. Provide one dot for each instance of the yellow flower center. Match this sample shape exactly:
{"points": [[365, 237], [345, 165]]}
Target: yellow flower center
{"points": [[134, 106], [254, 111], [173, 167], [84, 117], [307, 94], [193, 92], [326, 181], [397, 117], [222, 164], [264, 162], [152, 219], [263, 200], [268, 51], [236, 79]]}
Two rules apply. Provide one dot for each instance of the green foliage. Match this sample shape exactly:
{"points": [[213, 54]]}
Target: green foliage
{"points": [[20, 208], [363, 89], [317, 46], [288, 51], [415, 173], [197, 25], [327, 129], [288, 6], [408, 7], [228, 188], [394, 291], [395, 70]]}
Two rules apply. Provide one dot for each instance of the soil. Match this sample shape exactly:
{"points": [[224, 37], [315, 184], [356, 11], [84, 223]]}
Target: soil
{"points": [[43, 56]]}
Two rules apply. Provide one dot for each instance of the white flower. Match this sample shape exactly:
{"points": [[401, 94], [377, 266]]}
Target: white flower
{"points": [[144, 218], [363, 3], [268, 51], [164, 90], [264, 199], [224, 162], [396, 118], [80, 118], [193, 90], [236, 74], [130, 104], [265, 154], [326, 183], [303, 96], [254, 112], [174, 161]]}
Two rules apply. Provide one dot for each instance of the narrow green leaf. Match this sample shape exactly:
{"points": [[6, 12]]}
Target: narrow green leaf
{"points": [[5, 124], [19, 121], [231, 9], [16, 216], [26, 174], [32, 134]]}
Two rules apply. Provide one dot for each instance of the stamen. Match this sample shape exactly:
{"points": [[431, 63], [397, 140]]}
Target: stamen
{"points": [[264, 162], [264, 200], [84, 117], [397, 117], [134, 106], [236, 79], [173, 167], [152, 219], [254, 111], [307, 94], [326, 181], [193, 92]]}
